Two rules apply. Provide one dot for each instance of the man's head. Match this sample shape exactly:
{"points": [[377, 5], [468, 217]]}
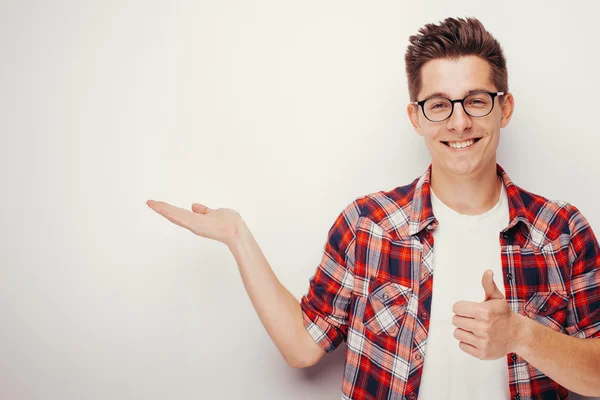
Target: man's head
{"points": [[451, 60]]}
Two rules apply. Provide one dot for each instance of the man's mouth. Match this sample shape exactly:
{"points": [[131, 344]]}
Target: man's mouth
{"points": [[462, 145]]}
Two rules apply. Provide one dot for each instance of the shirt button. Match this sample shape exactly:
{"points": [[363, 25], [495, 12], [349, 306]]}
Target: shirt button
{"points": [[514, 357], [517, 396], [418, 356], [385, 296], [509, 276], [411, 396], [424, 315], [429, 227], [505, 236]]}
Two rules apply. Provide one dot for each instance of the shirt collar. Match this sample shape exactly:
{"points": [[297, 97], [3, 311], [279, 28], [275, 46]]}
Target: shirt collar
{"points": [[421, 215]]}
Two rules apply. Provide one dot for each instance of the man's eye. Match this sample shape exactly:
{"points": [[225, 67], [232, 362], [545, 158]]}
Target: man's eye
{"points": [[439, 105]]}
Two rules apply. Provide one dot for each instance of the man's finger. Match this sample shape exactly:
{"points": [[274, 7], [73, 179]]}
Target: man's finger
{"points": [[489, 286], [200, 208], [177, 215], [466, 308], [468, 324], [469, 349], [466, 337]]}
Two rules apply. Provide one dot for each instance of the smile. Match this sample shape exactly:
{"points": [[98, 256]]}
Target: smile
{"points": [[461, 145]]}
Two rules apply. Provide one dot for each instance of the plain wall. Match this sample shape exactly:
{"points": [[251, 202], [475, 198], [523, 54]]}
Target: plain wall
{"points": [[284, 111]]}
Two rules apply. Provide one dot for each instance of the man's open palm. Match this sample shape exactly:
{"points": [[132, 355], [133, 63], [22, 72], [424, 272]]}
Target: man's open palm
{"points": [[219, 224]]}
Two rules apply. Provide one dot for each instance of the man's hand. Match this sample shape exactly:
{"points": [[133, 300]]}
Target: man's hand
{"points": [[486, 330], [219, 224]]}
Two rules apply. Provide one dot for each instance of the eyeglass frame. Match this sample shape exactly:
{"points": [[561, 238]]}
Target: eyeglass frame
{"points": [[461, 101]]}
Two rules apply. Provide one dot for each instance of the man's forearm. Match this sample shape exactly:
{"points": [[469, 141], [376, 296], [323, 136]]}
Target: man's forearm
{"points": [[572, 362], [278, 310]]}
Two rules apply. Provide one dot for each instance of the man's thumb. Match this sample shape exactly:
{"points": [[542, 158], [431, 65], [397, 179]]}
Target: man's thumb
{"points": [[199, 208], [489, 286]]}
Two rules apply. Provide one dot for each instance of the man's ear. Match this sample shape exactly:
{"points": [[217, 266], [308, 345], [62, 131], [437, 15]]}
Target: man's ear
{"points": [[413, 116], [508, 106]]}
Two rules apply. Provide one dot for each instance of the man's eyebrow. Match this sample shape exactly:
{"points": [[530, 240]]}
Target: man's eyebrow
{"points": [[482, 89]]}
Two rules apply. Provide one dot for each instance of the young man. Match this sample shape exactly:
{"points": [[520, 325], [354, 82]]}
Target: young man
{"points": [[459, 285]]}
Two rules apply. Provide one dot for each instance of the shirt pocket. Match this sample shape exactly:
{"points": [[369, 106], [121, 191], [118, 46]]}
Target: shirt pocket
{"points": [[386, 307], [548, 308]]}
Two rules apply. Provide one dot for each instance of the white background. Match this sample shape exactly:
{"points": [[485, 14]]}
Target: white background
{"points": [[285, 111]]}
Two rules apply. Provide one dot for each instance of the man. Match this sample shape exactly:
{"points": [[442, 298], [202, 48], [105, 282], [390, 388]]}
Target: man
{"points": [[458, 285]]}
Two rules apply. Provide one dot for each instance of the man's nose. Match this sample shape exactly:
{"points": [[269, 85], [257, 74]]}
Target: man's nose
{"points": [[459, 120]]}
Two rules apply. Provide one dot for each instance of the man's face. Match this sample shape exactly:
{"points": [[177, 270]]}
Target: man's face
{"points": [[454, 79]]}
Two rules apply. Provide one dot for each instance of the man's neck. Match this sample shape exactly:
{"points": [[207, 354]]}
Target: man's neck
{"points": [[467, 195]]}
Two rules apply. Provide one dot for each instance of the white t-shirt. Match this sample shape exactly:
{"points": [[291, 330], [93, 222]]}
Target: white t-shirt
{"points": [[464, 247]]}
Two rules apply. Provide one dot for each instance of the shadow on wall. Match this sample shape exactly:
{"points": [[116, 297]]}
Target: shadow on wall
{"points": [[335, 362]]}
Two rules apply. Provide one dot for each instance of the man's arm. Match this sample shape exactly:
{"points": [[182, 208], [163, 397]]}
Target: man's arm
{"points": [[304, 332], [278, 310], [571, 359]]}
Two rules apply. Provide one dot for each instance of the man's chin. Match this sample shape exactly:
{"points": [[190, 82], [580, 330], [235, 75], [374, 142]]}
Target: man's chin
{"points": [[463, 169]]}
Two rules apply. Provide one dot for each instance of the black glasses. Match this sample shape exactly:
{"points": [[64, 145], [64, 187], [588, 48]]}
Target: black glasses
{"points": [[477, 104]]}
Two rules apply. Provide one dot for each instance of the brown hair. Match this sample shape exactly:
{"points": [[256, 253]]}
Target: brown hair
{"points": [[454, 37]]}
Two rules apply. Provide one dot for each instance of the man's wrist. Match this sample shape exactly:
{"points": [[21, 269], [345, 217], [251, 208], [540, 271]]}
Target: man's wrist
{"points": [[524, 334], [238, 234]]}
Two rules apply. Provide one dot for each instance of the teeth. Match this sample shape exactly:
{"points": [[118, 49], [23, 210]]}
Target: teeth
{"points": [[460, 145]]}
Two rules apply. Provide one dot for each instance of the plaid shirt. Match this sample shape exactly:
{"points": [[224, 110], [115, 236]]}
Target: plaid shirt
{"points": [[373, 286]]}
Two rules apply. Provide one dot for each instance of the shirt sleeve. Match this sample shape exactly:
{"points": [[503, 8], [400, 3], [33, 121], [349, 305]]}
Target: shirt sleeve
{"points": [[325, 305], [583, 316]]}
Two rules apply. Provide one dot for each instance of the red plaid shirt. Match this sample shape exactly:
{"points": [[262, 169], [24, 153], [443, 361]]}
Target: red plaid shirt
{"points": [[373, 286]]}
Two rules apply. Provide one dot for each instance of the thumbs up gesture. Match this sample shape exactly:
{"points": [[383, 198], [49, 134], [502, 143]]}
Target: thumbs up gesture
{"points": [[491, 290], [490, 329]]}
